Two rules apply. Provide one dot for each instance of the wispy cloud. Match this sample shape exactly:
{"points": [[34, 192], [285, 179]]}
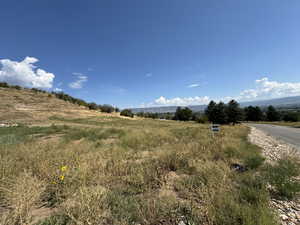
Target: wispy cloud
{"points": [[148, 75], [78, 83], [193, 85]]}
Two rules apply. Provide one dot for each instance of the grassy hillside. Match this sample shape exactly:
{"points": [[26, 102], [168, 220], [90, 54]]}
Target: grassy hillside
{"points": [[27, 106]]}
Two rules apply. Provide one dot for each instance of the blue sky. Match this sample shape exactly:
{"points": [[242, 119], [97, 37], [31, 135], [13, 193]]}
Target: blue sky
{"points": [[133, 53]]}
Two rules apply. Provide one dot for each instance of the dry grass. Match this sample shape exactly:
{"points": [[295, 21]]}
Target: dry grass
{"points": [[21, 195], [28, 107], [120, 171]]}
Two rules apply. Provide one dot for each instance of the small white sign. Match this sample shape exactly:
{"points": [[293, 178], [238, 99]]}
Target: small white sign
{"points": [[215, 127]]}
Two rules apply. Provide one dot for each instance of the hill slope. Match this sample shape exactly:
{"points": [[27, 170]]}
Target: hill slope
{"points": [[27, 106]]}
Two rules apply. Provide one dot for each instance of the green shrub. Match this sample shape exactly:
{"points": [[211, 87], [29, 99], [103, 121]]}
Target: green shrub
{"points": [[183, 114], [228, 211], [291, 117], [231, 152], [281, 175], [55, 220], [123, 207], [252, 189], [175, 161], [246, 203], [253, 162], [168, 211], [106, 108], [93, 106], [127, 112], [17, 87], [202, 119], [4, 85]]}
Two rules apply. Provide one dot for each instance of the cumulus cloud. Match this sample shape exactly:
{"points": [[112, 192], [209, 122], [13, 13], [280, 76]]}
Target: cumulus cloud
{"points": [[193, 85], [182, 101], [264, 89], [78, 83], [25, 73]]}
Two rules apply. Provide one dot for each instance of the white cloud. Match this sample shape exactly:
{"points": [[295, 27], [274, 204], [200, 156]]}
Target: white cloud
{"points": [[25, 73], [58, 90], [182, 101], [77, 84], [264, 89], [148, 75], [193, 85]]}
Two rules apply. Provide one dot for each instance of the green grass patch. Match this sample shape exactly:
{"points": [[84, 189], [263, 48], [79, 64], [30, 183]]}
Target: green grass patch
{"points": [[281, 177], [15, 135]]}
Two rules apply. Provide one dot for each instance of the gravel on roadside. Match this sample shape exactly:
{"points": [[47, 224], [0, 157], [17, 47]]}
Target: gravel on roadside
{"points": [[274, 149]]}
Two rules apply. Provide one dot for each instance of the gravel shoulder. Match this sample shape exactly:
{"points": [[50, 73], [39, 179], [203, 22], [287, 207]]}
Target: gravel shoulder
{"points": [[289, 135], [274, 149]]}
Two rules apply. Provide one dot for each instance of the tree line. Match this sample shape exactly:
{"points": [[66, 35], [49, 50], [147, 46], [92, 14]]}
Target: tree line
{"points": [[230, 113], [270, 113]]}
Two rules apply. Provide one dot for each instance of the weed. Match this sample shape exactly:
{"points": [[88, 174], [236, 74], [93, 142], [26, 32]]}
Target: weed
{"points": [[88, 206], [55, 220], [281, 177], [21, 195], [253, 162]]}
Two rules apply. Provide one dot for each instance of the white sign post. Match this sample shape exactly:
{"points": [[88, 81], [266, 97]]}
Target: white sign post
{"points": [[215, 128]]}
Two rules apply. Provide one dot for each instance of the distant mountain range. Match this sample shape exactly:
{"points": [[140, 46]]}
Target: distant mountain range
{"points": [[288, 102]]}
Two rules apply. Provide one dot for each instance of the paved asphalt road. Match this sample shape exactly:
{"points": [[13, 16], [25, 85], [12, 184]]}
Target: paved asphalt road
{"points": [[288, 134]]}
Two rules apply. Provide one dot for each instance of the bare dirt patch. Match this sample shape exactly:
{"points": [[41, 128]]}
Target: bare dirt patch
{"points": [[168, 188], [42, 213]]}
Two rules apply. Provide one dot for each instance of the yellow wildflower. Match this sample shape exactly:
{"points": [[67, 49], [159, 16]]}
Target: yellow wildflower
{"points": [[62, 177], [63, 168]]}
